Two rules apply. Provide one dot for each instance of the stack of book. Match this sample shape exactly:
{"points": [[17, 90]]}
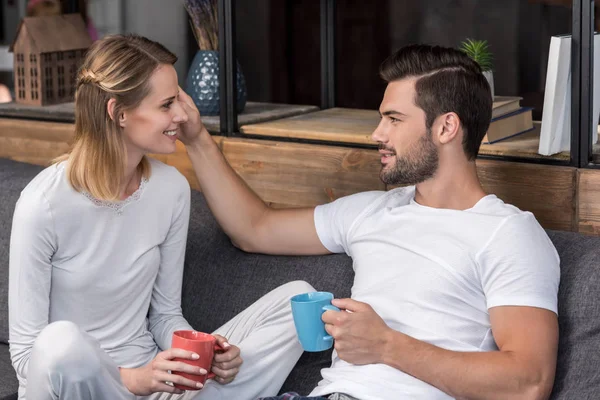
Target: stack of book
{"points": [[508, 119]]}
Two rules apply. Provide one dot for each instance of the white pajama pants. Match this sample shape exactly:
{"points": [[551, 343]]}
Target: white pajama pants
{"points": [[68, 364]]}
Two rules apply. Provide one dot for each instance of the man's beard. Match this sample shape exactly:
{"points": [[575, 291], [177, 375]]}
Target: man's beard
{"points": [[418, 164]]}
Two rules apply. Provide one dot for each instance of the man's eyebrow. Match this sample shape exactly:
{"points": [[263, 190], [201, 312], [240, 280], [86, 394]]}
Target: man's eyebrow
{"points": [[392, 112]]}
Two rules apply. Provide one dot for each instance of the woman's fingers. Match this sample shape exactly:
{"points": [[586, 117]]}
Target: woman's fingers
{"points": [[180, 366], [162, 377]]}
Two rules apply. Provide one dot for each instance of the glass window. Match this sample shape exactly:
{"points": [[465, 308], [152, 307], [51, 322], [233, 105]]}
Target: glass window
{"points": [[278, 49]]}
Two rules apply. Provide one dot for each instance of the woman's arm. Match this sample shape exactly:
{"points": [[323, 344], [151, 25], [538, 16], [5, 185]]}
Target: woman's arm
{"points": [[32, 245], [165, 315]]}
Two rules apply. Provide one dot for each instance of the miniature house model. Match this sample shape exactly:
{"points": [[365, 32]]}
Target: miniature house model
{"points": [[47, 53]]}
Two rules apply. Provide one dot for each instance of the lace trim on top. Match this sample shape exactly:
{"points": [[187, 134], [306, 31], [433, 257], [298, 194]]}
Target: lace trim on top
{"points": [[118, 206]]}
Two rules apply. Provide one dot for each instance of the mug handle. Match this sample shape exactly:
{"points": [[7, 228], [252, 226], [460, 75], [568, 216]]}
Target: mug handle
{"points": [[329, 307], [211, 375]]}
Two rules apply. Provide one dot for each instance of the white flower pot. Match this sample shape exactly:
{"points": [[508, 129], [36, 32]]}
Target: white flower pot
{"points": [[489, 75]]}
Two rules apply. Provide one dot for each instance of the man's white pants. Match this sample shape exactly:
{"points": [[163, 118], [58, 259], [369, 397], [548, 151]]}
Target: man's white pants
{"points": [[68, 364]]}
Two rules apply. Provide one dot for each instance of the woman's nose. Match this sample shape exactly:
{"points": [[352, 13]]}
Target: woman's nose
{"points": [[180, 115]]}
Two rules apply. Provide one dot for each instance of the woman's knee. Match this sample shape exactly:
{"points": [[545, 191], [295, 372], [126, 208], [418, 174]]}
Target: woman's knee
{"points": [[296, 287], [62, 347]]}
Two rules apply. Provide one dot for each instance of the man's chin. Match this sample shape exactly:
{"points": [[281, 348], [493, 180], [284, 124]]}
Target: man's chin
{"points": [[398, 180]]}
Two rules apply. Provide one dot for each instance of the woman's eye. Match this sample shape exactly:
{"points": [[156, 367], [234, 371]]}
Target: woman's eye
{"points": [[167, 105]]}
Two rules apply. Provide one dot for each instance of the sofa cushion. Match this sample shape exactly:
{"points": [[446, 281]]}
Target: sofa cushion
{"points": [[14, 176], [578, 366], [8, 384]]}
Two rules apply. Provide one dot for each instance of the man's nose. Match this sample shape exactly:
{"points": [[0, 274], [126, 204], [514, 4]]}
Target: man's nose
{"points": [[378, 134]]}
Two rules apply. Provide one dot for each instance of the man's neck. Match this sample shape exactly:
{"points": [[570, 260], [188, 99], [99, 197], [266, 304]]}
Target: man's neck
{"points": [[455, 188]]}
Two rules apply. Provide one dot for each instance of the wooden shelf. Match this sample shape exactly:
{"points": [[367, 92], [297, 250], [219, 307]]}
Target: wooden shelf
{"points": [[524, 145], [343, 125], [254, 112], [335, 125]]}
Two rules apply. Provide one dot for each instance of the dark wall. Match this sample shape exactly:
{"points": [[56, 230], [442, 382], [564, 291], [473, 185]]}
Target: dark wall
{"points": [[278, 44]]}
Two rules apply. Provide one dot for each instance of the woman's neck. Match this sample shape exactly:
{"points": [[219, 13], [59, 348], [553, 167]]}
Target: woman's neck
{"points": [[132, 177]]}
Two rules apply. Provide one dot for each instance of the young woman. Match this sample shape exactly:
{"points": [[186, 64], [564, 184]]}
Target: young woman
{"points": [[97, 251]]}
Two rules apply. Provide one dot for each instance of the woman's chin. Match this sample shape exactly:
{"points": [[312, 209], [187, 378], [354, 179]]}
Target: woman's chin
{"points": [[163, 149]]}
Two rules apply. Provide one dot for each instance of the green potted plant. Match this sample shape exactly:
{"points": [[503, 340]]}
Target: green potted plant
{"points": [[479, 51], [202, 82]]}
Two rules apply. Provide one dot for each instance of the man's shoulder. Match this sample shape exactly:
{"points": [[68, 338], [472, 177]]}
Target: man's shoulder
{"points": [[379, 199], [494, 206], [365, 203]]}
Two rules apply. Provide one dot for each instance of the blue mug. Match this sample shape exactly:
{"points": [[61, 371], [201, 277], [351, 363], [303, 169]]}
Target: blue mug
{"points": [[307, 309]]}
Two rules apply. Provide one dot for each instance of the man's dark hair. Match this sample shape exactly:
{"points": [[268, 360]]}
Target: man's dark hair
{"points": [[447, 81]]}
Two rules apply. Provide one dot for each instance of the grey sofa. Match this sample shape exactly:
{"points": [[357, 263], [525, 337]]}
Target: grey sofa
{"points": [[232, 280]]}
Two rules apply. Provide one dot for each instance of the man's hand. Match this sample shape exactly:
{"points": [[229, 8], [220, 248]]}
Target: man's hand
{"points": [[193, 129], [153, 377], [226, 365], [361, 336]]}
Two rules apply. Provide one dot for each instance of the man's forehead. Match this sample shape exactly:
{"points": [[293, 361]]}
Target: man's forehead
{"points": [[398, 93], [402, 86]]}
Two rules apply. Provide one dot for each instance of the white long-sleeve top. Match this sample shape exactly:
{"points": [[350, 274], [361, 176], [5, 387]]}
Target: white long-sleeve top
{"points": [[114, 269]]}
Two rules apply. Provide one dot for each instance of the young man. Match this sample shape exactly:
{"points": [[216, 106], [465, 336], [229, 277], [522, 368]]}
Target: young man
{"points": [[455, 293]]}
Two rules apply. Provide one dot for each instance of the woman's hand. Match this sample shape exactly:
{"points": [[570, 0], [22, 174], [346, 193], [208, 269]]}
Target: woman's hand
{"points": [[154, 376], [226, 365], [193, 129]]}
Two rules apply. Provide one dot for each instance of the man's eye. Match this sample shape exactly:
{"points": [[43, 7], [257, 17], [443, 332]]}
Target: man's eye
{"points": [[394, 119]]}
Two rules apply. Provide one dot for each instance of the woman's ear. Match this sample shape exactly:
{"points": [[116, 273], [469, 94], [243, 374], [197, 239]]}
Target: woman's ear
{"points": [[110, 107]]}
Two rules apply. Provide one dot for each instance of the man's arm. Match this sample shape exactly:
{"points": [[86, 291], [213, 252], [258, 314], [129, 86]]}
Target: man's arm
{"points": [[247, 220], [527, 338], [523, 368]]}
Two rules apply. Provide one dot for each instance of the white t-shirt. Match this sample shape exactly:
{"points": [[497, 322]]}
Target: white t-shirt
{"points": [[116, 271], [433, 274]]}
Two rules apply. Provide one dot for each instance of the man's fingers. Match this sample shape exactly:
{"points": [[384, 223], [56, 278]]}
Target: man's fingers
{"points": [[350, 305], [330, 329], [184, 96], [330, 317]]}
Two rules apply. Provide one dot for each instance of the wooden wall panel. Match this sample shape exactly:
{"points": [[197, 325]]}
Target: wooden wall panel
{"points": [[296, 174], [547, 191], [31, 151], [35, 142], [589, 201], [40, 130]]}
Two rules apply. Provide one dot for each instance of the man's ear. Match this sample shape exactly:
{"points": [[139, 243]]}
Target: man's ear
{"points": [[110, 107], [448, 128]]}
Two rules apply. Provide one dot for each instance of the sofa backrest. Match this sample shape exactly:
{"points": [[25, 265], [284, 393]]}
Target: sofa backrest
{"points": [[221, 280], [578, 365]]}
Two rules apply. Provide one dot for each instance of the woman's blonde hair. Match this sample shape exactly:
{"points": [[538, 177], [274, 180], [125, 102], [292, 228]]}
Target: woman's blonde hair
{"points": [[118, 67]]}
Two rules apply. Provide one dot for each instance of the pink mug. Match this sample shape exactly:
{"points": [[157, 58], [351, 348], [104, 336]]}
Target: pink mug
{"points": [[203, 344]]}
